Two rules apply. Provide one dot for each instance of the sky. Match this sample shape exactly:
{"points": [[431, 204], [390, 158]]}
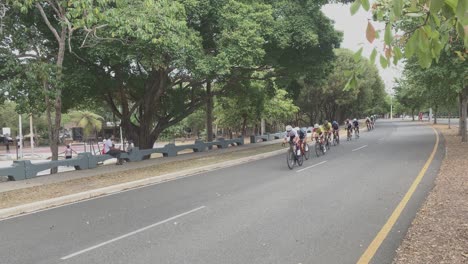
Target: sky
{"points": [[354, 29]]}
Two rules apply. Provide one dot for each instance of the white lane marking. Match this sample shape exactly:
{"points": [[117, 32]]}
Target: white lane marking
{"points": [[130, 234], [381, 138], [359, 148], [311, 166]]}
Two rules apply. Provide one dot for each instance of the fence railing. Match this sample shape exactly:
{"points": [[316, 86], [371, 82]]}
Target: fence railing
{"points": [[25, 169], [267, 137]]}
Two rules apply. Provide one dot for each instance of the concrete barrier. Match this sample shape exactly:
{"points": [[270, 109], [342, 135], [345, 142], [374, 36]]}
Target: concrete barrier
{"points": [[24, 169], [266, 137]]}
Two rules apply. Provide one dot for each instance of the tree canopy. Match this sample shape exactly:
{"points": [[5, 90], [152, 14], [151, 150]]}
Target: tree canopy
{"points": [[154, 63]]}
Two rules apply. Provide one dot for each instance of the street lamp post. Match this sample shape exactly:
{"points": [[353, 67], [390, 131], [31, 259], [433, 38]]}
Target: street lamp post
{"points": [[391, 107], [31, 130], [20, 137]]}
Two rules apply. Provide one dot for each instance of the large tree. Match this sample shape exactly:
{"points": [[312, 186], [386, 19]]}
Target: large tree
{"points": [[439, 85], [34, 42], [153, 80], [330, 100]]}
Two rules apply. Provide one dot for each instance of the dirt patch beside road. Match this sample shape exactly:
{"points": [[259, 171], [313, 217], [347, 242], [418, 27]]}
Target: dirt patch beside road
{"points": [[43, 192], [439, 233]]}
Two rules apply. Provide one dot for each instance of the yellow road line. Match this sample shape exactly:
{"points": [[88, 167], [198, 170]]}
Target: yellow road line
{"points": [[375, 244]]}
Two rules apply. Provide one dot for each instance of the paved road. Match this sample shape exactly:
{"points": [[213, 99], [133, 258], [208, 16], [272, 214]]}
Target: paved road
{"points": [[259, 212]]}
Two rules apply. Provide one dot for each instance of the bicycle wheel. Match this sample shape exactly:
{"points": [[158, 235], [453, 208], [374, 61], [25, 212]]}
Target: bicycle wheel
{"points": [[290, 159], [300, 159], [318, 149], [334, 141], [327, 144], [306, 151]]}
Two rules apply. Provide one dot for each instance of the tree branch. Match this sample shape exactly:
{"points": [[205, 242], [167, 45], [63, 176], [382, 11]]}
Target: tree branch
{"points": [[420, 26], [46, 20], [54, 7]]}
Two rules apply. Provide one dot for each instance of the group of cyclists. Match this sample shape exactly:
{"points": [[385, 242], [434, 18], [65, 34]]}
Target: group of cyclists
{"points": [[322, 134], [370, 122]]}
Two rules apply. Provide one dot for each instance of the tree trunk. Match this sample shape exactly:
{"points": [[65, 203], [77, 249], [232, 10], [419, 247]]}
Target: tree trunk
{"points": [[435, 114], [463, 116], [460, 96], [54, 140], [209, 113], [244, 125], [412, 113]]}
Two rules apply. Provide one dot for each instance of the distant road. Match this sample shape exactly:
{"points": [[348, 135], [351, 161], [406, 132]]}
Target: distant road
{"points": [[327, 211]]}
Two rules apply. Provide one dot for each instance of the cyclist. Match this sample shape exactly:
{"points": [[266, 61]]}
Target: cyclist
{"points": [[302, 138], [318, 135], [336, 129], [356, 126], [291, 136], [368, 123], [327, 128], [372, 119]]}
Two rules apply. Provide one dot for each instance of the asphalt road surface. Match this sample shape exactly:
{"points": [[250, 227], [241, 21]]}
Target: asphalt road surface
{"points": [[327, 211]]}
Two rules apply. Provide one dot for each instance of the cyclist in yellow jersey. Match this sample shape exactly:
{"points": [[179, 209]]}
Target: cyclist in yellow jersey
{"points": [[317, 133], [327, 128]]}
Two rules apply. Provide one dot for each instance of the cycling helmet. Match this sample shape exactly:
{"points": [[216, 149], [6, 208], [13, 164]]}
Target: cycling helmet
{"points": [[288, 128], [296, 128], [355, 119], [316, 126], [334, 123], [326, 122]]}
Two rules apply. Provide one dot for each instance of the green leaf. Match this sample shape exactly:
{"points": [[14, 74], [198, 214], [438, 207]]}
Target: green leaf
{"points": [[460, 55], [425, 59], [436, 5], [351, 84], [355, 7], [398, 53], [466, 37], [373, 55], [348, 84], [452, 4], [461, 9], [414, 6], [460, 29], [397, 7], [380, 15], [357, 56], [436, 19], [365, 4], [383, 62], [388, 38]]}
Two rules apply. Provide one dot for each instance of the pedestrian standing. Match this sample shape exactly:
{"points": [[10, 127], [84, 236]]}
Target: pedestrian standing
{"points": [[69, 152]]}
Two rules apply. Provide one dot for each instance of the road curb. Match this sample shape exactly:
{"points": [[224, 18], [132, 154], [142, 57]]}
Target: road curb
{"points": [[82, 196]]}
